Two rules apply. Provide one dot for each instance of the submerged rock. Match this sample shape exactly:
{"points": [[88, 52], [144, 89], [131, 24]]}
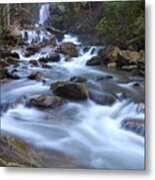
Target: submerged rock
{"points": [[45, 101], [134, 125], [102, 99], [11, 74], [35, 76], [78, 79], [69, 90], [69, 48], [34, 62]]}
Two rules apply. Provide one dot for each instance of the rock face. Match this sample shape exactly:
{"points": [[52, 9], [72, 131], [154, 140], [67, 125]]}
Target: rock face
{"points": [[69, 49], [45, 101], [96, 60], [69, 90], [102, 99]]}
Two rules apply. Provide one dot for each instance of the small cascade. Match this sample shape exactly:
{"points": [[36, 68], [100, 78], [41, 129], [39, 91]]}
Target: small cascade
{"points": [[44, 14]]}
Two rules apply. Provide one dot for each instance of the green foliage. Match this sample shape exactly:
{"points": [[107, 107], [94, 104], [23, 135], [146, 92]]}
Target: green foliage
{"points": [[121, 20], [105, 25], [84, 4]]}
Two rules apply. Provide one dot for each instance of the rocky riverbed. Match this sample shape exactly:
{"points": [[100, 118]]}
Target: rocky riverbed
{"points": [[68, 105]]}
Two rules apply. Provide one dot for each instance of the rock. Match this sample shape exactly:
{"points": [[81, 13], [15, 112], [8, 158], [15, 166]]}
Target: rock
{"points": [[111, 65], [78, 79], [94, 61], [51, 42], [54, 57], [107, 99], [35, 76], [127, 56], [68, 48], [108, 77], [69, 90], [129, 67], [44, 65], [135, 125], [11, 74], [3, 63], [8, 61], [109, 53], [45, 101], [8, 53], [53, 30], [2, 73], [31, 50], [34, 62], [12, 60]]}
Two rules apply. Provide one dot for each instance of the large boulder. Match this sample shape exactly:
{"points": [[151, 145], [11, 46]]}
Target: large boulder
{"points": [[109, 53], [45, 101], [69, 48], [126, 57], [94, 61], [69, 90]]}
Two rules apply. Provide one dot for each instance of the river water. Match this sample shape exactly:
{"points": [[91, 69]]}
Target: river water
{"points": [[85, 130]]}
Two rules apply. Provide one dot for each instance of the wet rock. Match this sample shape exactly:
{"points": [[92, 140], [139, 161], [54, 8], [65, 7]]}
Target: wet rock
{"points": [[78, 79], [11, 74], [44, 65], [12, 60], [134, 125], [94, 61], [53, 30], [31, 50], [8, 53], [108, 77], [129, 67], [69, 90], [45, 101], [34, 62], [35, 76], [69, 48], [106, 99], [50, 42], [109, 53], [54, 57]]}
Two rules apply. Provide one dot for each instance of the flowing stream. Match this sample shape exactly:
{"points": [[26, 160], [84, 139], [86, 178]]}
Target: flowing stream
{"points": [[85, 130]]}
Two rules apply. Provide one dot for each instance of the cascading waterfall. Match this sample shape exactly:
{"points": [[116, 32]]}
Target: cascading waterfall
{"points": [[89, 132], [44, 14]]}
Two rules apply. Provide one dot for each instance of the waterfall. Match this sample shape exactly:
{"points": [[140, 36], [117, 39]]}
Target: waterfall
{"points": [[44, 14]]}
